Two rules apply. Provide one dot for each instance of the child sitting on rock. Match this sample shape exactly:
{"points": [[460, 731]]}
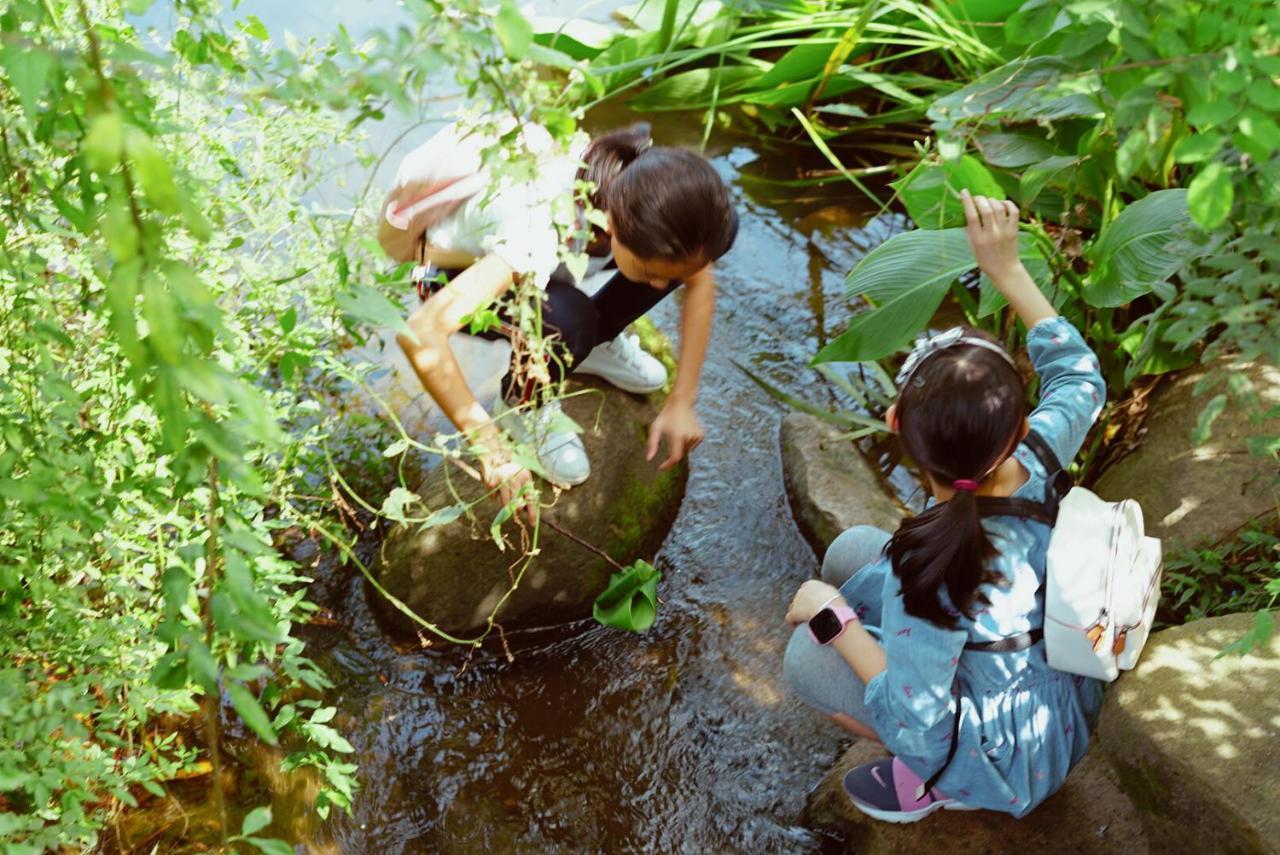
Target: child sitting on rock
{"points": [[935, 646]]}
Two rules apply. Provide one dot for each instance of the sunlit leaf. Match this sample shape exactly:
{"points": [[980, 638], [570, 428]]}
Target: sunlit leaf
{"points": [[251, 712]]}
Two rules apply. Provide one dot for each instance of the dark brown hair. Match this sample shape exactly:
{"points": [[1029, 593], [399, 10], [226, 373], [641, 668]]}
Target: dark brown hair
{"points": [[665, 203], [958, 415]]}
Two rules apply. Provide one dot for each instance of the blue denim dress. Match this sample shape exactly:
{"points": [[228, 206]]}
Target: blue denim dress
{"points": [[1022, 724]]}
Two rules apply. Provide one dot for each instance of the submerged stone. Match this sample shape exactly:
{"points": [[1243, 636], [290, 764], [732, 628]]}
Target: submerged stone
{"points": [[829, 483], [1192, 493], [1196, 739], [455, 575]]}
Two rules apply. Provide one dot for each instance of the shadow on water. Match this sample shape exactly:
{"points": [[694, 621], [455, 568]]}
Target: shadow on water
{"points": [[684, 739]]}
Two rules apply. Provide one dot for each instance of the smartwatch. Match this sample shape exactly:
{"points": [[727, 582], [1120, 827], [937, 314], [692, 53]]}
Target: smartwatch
{"points": [[830, 622]]}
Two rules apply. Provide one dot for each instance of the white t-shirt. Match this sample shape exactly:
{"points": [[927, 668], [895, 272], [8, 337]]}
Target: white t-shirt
{"points": [[514, 222]]}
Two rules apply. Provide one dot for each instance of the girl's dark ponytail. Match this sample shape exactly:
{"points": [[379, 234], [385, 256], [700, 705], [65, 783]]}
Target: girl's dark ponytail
{"points": [[944, 546], [610, 153], [959, 415]]}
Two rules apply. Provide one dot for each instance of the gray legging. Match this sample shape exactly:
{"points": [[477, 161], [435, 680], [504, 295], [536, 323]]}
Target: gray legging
{"points": [[815, 672]]}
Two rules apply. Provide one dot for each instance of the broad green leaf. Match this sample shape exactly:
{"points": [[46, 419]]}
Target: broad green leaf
{"points": [[630, 601], [1135, 252], [1257, 134], [1131, 157], [27, 68], [514, 32], [253, 26], [1040, 88], [201, 664], [327, 737], [122, 294], [691, 89], [251, 712], [989, 299], [256, 820], [1212, 112], [288, 320], [1211, 195], [801, 63], [931, 192], [904, 279], [1265, 94]]}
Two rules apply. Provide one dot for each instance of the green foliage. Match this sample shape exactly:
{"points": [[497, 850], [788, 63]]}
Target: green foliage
{"points": [[1241, 575]]}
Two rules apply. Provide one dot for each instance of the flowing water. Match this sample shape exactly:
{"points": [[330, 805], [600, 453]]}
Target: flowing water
{"points": [[682, 739]]}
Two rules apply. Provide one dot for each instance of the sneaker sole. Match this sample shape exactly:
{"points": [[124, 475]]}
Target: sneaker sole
{"points": [[903, 817]]}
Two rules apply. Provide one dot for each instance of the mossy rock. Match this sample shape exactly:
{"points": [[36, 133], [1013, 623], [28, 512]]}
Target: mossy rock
{"points": [[455, 575]]}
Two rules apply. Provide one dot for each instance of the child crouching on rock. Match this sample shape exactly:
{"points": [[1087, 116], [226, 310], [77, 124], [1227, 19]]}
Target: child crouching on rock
{"points": [[934, 647]]}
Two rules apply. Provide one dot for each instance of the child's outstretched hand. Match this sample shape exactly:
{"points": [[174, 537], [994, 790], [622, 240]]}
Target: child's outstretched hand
{"points": [[992, 228]]}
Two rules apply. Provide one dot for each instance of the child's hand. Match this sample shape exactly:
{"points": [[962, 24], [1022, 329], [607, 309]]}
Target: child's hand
{"points": [[810, 599], [992, 228]]}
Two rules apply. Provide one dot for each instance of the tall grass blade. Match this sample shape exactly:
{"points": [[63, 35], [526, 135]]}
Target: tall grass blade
{"points": [[842, 51]]}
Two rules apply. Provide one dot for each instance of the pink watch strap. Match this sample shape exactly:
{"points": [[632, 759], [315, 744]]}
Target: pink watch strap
{"points": [[846, 616]]}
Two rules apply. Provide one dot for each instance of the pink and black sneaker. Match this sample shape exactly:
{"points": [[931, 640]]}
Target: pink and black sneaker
{"points": [[887, 790]]}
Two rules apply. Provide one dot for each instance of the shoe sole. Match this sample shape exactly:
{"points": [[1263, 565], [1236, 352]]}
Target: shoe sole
{"points": [[903, 817]]}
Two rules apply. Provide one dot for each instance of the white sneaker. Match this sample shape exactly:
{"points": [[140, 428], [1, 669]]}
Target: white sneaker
{"points": [[626, 365], [560, 451]]}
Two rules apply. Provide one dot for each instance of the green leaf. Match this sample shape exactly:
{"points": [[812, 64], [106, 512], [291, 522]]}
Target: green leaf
{"points": [[1266, 94], [270, 845], [1035, 177], [1040, 88], [1135, 252], [119, 230], [1195, 148], [905, 279], [251, 712], [27, 68], [170, 671], [154, 174], [1010, 151], [372, 307], [393, 506], [122, 293], [692, 89], [1211, 195], [253, 26], [201, 664], [1212, 112], [630, 601], [327, 737], [1032, 22], [443, 516], [931, 191], [1131, 157], [256, 820], [1204, 422], [165, 335], [514, 32], [504, 513], [104, 143]]}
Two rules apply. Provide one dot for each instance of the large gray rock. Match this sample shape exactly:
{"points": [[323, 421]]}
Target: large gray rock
{"points": [[455, 575], [1193, 493], [1089, 814], [830, 485], [1196, 740]]}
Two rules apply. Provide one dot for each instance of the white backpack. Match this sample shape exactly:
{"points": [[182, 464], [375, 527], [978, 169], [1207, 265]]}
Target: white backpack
{"points": [[1102, 586], [1103, 575]]}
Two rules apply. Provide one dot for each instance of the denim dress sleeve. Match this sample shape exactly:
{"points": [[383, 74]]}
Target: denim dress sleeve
{"points": [[911, 701], [1071, 386]]}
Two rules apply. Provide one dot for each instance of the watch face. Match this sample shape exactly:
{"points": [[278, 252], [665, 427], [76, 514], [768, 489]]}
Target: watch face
{"points": [[825, 626]]}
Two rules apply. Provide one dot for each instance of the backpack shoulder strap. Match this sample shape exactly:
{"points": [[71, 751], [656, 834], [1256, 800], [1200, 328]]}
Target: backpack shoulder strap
{"points": [[1043, 453], [1057, 483]]}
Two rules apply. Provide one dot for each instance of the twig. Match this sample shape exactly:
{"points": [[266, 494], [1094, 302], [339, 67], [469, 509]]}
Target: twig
{"points": [[554, 526]]}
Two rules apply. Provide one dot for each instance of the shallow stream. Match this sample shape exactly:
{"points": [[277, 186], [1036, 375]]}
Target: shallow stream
{"points": [[683, 739]]}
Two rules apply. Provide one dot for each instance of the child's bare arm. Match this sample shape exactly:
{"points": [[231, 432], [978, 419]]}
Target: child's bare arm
{"points": [[992, 228]]}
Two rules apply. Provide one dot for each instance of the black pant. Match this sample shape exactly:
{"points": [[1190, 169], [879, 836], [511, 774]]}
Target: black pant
{"points": [[577, 323]]}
